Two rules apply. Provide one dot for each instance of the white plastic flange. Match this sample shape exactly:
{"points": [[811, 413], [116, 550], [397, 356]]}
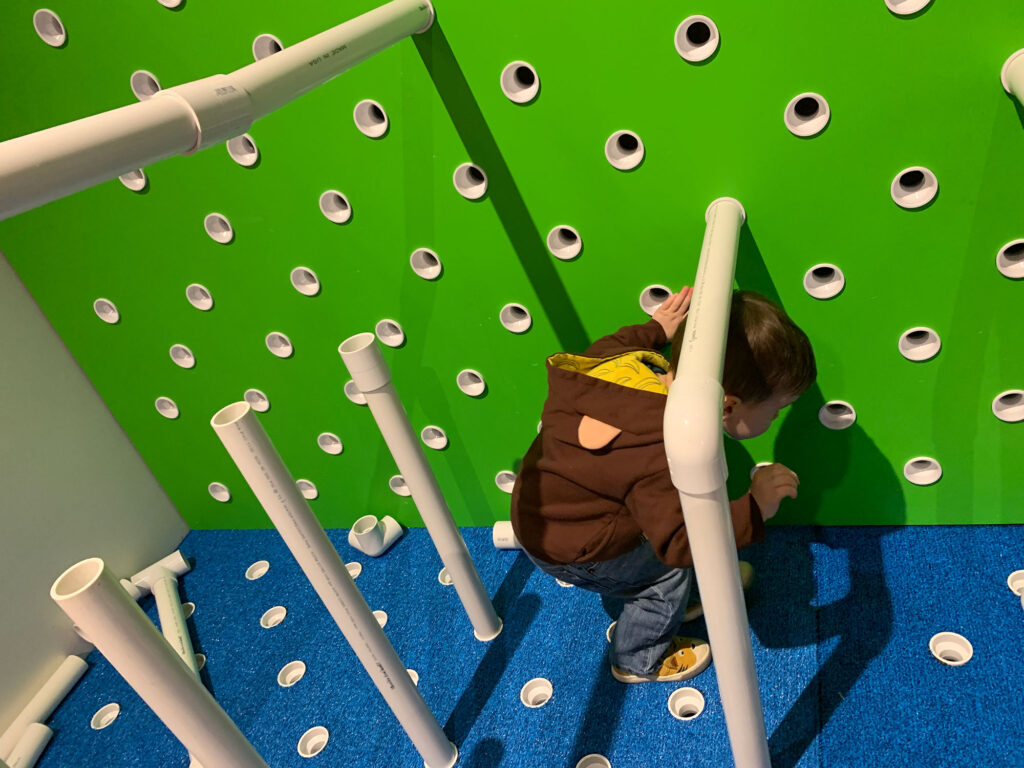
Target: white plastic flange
{"points": [[257, 570], [686, 703], [279, 344], [219, 228], [1010, 260], [1008, 406], [257, 400], [919, 344], [434, 437], [390, 333], [335, 206], [652, 297], [243, 150], [330, 443], [515, 318], [824, 281], [370, 118], [167, 407], [104, 716], [273, 616], [49, 27], [922, 470], [564, 242], [470, 181], [471, 382], [291, 673], [135, 180], [219, 491], [199, 297], [697, 38], [1004, 73], [505, 480], [307, 488], [906, 7], [624, 150], [519, 82], [398, 485], [536, 693], [313, 741], [426, 263], [182, 356], [807, 114], [837, 414], [106, 311], [914, 187], [951, 648]]}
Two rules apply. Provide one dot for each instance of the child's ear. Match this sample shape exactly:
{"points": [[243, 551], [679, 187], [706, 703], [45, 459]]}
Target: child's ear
{"points": [[594, 435], [730, 403]]}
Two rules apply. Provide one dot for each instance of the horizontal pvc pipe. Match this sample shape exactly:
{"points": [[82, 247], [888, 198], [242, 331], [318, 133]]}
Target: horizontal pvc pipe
{"points": [[695, 451], [94, 600], [30, 746], [372, 376], [44, 702], [252, 451]]}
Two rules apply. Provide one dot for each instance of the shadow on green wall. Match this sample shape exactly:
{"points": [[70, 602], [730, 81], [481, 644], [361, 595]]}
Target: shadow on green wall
{"points": [[476, 135]]}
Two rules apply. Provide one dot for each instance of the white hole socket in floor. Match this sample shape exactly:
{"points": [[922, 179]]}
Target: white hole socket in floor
{"points": [[594, 760], [313, 741], [1015, 581], [167, 408], [381, 617], [951, 648], [257, 570], [291, 673], [354, 569], [273, 616], [187, 609], [624, 150], [200, 661], [330, 443], [445, 578], [307, 488], [807, 115], [219, 228], [686, 703], [199, 297], [536, 693], [219, 491], [564, 242], [104, 716], [182, 356], [520, 82], [257, 400], [697, 39], [414, 675], [106, 311]]}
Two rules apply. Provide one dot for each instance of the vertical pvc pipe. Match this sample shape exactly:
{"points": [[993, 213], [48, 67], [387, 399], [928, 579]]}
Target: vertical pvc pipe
{"points": [[1012, 75], [46, 699], [30, 746], [695, 451], [372, 376], [252, 451], [94, 600], [172, 620]]}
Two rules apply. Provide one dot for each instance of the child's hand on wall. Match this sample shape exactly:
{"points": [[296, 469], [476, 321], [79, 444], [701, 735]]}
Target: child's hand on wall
{"points": [[770, 485], [672, 311]]}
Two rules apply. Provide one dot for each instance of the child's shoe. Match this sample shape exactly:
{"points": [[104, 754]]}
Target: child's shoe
{"points": [[696, 610], [686, 657]]}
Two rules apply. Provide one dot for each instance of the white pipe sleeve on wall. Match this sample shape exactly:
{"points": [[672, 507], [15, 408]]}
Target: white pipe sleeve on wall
{"points": [[695, 450], [252, 451], [46, 699], [93, 599], [58, 161], [1012, 75], [372, 376], [30, 746]]}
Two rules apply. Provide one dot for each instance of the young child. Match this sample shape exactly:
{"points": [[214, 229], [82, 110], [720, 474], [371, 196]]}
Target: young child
{"points": [[594, 504]]}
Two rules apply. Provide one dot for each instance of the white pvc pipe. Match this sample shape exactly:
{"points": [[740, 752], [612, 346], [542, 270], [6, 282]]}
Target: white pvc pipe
{"points": [[252, 451], [42, 704], [696, 457], [93, 599], [30, 746], [372, 377], [59, 161]]}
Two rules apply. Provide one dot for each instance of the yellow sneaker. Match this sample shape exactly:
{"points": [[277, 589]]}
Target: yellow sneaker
{"points": [[686, 657], [696, 610]]}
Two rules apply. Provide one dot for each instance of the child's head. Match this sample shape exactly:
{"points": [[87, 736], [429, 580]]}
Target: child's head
{"points": [[769, 363]]}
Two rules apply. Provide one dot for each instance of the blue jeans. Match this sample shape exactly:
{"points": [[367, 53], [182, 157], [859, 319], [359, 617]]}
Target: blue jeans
{"points": [[654, 595]]}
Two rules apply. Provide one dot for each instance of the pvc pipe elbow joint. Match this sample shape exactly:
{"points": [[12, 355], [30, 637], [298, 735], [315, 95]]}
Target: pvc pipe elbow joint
{"points": [[365, 363], [693, 435], [172, 566], [221, 109]]}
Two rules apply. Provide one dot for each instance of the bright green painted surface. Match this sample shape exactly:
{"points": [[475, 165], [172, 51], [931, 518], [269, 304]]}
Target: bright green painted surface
{"points": [[903, 92]]}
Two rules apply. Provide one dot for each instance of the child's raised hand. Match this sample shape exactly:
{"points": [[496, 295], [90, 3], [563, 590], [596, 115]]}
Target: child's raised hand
{"points": [[672, 311], [770, 485]]}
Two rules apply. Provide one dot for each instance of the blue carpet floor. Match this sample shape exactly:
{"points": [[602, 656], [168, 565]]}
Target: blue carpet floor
{"points": [[840, 622]]}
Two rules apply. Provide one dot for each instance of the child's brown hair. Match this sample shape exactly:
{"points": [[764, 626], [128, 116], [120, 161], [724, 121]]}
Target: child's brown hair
{"points": [[765, 352]]}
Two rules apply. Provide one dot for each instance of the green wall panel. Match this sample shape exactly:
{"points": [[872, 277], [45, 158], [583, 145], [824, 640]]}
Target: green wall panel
{"points": [[902, 91]]}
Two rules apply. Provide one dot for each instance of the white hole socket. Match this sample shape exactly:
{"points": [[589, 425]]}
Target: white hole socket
{"points": [[536, 693], [564, 584], [837, 414], [305, 281], [919, 344], [697, 38], [219, 491], [273, 616], [434, 437], [610, 632], [652, 297], [182, 356], [219, 228], [370, 118], [291, 673], [167, 408], [389, 332], [354, 569], [172, 4], [106, 311], [505, 480], [594, 760], [951, 648], [753, 470], [335, 206], [823, 281], [922, 470], [1010, 260], [471, 382], [445, 578], [564, 242], [265, 45], [307, 488], [381, 617], [257, 570], [313, 741], [257, 400], [352, 393], [807, 115], [515, 318], [104, 716], [397, 484], [686, 703], [1009, 405], [144, 84], [135, 180], [330, 443], [426, 264], [200, 661], [519, 82], [1015, 581], [199, 297], [243, 150], [414, 675], [914, 187], [187, 609], [470, 181], [906, 7], [279, 344], [624, 150], [49, 27]]}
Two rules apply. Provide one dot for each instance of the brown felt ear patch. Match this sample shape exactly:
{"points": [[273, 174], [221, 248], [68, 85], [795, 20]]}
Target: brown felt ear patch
{"points": [[594, 434]]}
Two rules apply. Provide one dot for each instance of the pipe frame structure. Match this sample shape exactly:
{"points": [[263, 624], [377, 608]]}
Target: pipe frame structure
{"points": [[694, 446]]}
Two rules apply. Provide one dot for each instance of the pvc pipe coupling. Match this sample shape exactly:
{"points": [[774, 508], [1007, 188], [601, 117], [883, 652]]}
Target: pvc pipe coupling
{"points": [[172, 566], [693, 441], [374, 537], [221, 109], [365, 363]]}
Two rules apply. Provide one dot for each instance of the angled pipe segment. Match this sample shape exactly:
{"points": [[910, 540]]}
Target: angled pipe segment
{"points": [[44, 702]]}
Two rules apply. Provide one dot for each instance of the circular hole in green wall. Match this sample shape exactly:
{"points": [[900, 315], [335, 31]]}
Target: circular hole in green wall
{"points": [[807, 107], [698, 33]]}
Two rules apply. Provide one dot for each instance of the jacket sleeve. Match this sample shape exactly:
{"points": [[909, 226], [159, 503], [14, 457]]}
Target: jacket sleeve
{"points": [[654, 504], [649, 335]]}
